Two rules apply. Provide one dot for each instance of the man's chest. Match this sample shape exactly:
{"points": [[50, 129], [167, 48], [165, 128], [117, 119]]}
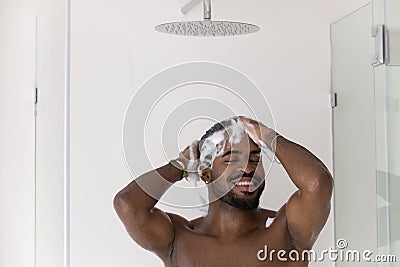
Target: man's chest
{"points": [[256, 249]]}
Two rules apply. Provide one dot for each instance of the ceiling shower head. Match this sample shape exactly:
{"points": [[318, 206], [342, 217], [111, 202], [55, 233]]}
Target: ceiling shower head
{"points": [[207, 27]]}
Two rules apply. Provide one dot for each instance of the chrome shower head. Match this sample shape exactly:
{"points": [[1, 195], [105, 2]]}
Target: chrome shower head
{"points": [[207, 27]]}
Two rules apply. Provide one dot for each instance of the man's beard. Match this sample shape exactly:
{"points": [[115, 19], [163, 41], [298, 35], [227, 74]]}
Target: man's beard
{"points": [[234, 200]]}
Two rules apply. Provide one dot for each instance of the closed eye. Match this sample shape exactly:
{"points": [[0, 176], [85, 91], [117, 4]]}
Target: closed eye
{"points": [[254, 158], [231, 160]]}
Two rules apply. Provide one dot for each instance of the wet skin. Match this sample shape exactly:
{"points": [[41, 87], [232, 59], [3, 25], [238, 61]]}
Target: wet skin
{"points": [[229, 236], [233, 232]]}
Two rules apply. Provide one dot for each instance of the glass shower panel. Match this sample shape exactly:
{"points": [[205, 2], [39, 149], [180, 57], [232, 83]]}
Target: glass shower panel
{"points": [[392, 11], [387, 95], [49, 219]]}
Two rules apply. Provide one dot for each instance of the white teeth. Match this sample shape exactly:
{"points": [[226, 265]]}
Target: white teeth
{"points": [[245, 183]]}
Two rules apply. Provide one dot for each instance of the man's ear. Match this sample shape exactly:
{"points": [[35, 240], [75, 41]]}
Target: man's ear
{"points": [[206, 175]]}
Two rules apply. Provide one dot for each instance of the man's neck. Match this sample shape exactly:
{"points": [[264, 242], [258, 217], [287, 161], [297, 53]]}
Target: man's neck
{"points": [[224, 220]]}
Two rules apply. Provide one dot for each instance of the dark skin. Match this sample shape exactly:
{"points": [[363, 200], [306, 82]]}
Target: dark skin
{"points": [[228, 235]]}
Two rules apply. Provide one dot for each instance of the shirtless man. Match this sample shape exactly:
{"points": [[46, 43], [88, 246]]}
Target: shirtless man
{"points": [[234, 231]]}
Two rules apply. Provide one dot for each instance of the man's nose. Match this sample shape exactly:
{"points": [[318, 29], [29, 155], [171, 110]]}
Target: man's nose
{"points": [[247, 167], [248, 174]]}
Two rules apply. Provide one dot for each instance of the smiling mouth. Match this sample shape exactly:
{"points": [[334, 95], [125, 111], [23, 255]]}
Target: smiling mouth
{"points": [[244, 183], [247, 184]]}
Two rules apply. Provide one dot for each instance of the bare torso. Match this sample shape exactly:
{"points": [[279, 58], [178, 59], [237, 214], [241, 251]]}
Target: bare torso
{"points": [[194, 246], [234, 231]]}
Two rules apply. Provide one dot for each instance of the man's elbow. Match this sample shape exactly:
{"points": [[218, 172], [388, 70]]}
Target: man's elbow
{"points": [[321, 183], [122, 204]]}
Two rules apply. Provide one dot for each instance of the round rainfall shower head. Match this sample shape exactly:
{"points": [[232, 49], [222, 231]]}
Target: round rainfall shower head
{"points": [[207, 28]]}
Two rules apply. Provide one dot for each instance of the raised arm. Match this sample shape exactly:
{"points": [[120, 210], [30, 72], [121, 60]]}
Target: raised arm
{"points": [[308, 208], [148, 226]]}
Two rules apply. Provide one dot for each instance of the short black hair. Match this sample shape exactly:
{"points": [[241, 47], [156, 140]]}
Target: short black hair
{"points": [[219, 126]]}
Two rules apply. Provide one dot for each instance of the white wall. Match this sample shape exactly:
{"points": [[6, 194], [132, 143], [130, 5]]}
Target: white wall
{"points": [[17, 83], [115, 49]]}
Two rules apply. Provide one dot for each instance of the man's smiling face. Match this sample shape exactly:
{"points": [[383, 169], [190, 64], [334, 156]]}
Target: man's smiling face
{"points": [[238, 175]]}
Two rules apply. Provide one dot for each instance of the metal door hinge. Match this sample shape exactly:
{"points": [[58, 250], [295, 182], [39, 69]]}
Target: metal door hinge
{"points": [[36, 96], [333, 100], [387, 46], [379, 33], [35, 101]]}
